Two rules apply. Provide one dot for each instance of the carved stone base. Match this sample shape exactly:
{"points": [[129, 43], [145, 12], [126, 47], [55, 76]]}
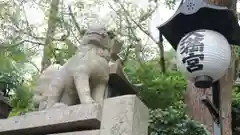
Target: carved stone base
{"points": [[124, 115], [119, 115]]}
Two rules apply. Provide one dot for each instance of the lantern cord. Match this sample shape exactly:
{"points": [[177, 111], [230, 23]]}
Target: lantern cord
{"points": [[216, 94], [160, 37], [218, 130]]}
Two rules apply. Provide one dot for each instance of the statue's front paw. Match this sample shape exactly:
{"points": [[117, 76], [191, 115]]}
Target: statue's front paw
{"points": [[87, 100], [42, 105], [58, 105]]}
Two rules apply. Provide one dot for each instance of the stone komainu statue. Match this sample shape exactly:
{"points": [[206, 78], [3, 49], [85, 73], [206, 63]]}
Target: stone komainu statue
{"points": [[83, 78]]}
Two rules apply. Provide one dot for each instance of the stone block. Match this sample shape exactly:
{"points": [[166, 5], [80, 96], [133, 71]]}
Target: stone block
{"points": [[54, 120], [118, 81], [90, 132], [124, 115]]}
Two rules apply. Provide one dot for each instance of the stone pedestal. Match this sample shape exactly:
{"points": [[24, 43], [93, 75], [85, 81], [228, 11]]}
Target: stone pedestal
{"points": [[5, 108], [123, 115], [54, 120]]}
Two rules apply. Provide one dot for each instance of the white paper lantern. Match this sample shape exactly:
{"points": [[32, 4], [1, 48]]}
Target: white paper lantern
{"points": [[203, 53]]}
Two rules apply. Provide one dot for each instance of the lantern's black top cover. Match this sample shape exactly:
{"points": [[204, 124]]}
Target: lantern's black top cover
{"points": [[222, 21]]}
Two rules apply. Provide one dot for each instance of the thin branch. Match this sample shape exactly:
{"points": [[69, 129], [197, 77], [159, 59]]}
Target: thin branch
{"points": [[160, 45], [69, 30], [20, 43], [74, 20], [33, 64], [33, 42], [148, 14], [29, 28], [137, 24], [135, 38], [127, 53], [38, 37]]}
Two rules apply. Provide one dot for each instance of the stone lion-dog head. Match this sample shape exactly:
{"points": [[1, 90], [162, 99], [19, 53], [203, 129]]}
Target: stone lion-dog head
{"points": [[99, 36]]}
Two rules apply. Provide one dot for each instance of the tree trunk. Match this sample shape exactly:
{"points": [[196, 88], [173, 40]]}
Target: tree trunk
{"points": [[228, 3], [48, 47], [162, 59], [196, 109]]}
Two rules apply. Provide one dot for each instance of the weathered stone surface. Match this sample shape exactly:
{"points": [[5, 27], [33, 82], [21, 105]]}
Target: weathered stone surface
{"points": [[55, 120], [124, 115], [83, 77], [91, 132]]}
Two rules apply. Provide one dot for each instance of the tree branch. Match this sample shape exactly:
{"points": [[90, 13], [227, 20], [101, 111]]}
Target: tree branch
{"points": [[159, 43], [81, 32], [34, 65], [19, 43], [137, 24]]}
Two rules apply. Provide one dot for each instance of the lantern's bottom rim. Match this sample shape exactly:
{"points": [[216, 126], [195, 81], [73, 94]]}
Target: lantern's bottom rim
{"points": [[203, 81]]}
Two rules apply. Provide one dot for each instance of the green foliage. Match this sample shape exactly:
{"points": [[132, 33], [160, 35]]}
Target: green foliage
{"points": [[12, 77], [22, 97], [10, 80], [236, 110], [19, 93], [157, 90], [163, 94], [172, 121], [170, 4]]}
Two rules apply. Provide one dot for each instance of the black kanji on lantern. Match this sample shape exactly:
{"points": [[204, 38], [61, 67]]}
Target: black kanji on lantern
{"points": [[192, 47], [192, 44], [193, 62]]}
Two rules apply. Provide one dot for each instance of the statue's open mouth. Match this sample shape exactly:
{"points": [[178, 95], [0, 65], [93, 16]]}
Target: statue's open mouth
{"points": [[97, 33], [95, 38]]}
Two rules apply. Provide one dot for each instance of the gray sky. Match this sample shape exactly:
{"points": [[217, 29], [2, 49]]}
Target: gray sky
{"points": [[102, 11]]}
